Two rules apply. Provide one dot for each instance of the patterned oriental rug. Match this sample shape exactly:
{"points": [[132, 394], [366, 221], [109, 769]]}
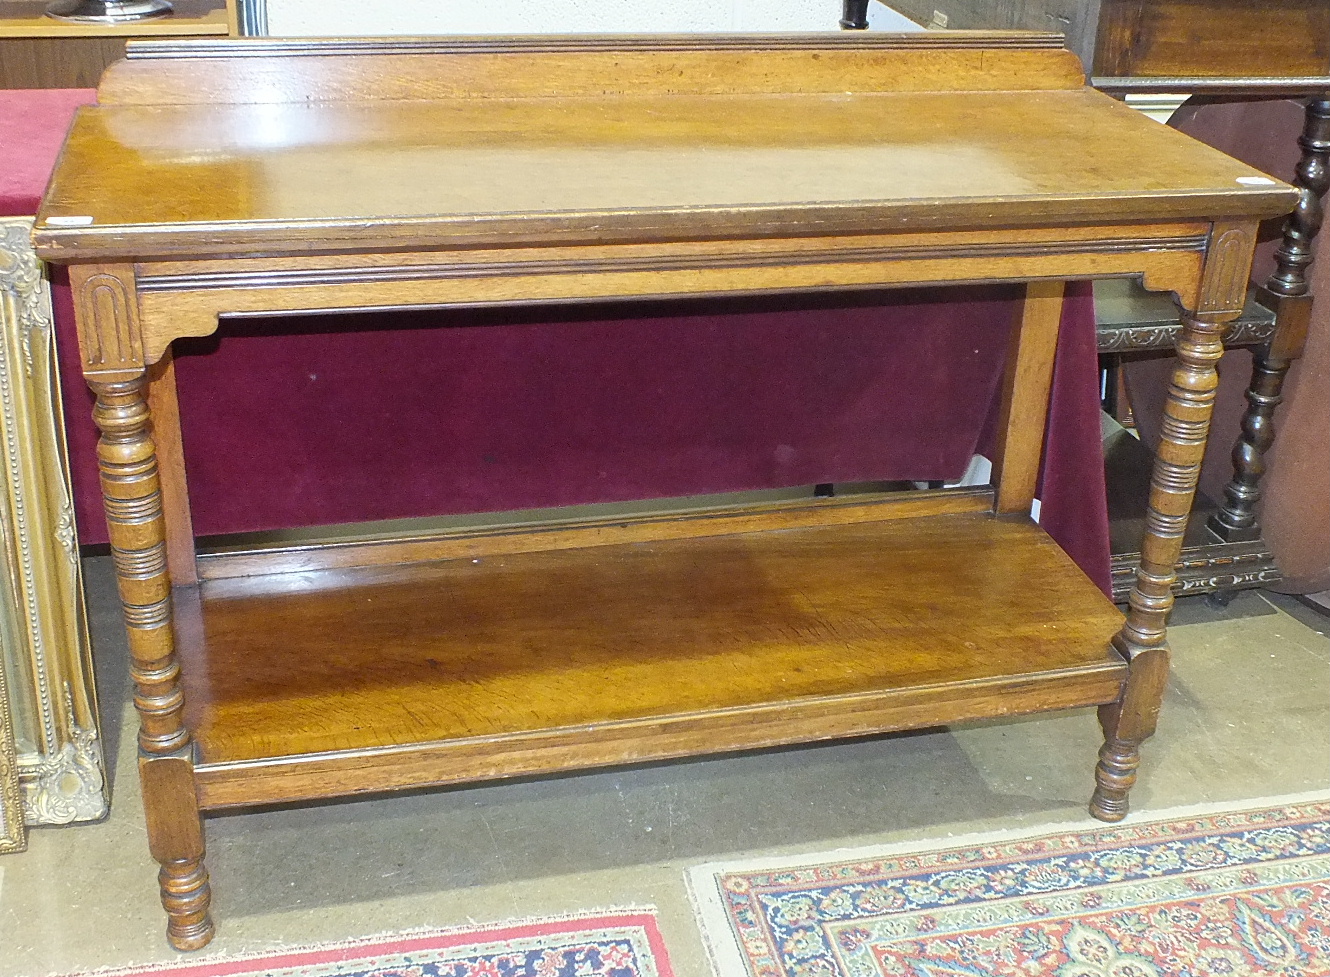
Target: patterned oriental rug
{"points": [[1237, 893], [626, 944]]}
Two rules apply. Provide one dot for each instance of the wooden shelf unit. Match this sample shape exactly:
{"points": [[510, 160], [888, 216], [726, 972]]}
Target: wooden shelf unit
{"points": [[887, 160], [37, 51]]}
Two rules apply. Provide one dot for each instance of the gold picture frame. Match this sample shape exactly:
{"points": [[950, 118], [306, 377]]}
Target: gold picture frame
{"points": [[51, 765]]}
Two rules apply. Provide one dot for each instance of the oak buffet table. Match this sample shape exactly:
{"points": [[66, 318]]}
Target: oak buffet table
{"points": [[273, 177]]}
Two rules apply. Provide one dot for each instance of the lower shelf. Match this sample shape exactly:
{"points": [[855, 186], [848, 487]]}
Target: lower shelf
{"points": [[303, 685]]}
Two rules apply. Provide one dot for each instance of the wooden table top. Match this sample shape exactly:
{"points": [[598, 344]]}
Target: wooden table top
{"points": [[442, 166]]}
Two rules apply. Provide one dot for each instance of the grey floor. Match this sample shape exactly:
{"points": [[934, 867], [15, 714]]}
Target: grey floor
{"points": [[1247, 716]]}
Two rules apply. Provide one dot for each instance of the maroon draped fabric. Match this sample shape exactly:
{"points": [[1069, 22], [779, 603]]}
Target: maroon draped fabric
{"points": [[327, 419], [1074, 497]]}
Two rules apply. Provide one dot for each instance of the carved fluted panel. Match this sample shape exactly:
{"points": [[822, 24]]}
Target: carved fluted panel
{"points": [[110, 330], [1227, 269], [57, 773]]}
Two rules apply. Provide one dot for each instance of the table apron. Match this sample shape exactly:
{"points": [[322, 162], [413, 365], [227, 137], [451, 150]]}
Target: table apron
{"points": [[175, 305]]}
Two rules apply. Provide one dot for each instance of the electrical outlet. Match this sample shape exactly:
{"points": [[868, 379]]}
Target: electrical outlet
{"points": [[939, 20]]}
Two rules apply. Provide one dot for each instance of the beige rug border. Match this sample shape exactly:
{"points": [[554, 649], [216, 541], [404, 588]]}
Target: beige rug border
{"points": [[726, 957]]}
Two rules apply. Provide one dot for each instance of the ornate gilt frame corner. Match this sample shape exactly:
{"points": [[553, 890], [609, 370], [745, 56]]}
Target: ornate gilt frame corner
{"points": [[56, 772]]}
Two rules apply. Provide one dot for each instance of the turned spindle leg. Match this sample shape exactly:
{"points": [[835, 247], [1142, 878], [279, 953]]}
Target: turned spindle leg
{"points": [[854, 15], [1131, 720], [1286, 294], [1142, 642], [132, 497]]}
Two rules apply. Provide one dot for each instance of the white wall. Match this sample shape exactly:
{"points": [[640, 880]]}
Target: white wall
{"points": [[315, 18]]}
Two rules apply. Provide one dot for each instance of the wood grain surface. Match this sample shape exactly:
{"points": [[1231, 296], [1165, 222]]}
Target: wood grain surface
{"points": [[402, 145], [303, 663], [403, 174]]}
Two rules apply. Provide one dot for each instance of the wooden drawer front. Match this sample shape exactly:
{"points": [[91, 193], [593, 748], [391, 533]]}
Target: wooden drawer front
{"points": [[1215, 38]]}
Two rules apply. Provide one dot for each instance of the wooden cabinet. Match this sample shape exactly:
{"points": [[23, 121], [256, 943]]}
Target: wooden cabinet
{"points": [[40, 52], [1214, 38]]}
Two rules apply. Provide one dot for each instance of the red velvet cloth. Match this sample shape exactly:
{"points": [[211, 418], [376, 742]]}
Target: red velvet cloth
{"points": [[32, 129], [325, 419]]}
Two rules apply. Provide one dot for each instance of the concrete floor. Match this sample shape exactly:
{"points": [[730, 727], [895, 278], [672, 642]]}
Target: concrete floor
{"points": [[1247, 716]]}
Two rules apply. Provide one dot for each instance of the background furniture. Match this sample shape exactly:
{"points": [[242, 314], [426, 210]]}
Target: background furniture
{"points": [[528, 649], [1280, 480], [1217, 48], [1226, 549], [51, 766], [37, 51], [1126, 38]]}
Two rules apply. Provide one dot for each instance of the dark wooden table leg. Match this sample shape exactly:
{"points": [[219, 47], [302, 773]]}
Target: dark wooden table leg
{"points": [[1286, 294], [132, 496], [1128, 722], [854, 15]]}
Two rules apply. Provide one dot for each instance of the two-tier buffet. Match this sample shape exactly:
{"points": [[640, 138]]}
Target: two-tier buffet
{"points": [[269, 178]]}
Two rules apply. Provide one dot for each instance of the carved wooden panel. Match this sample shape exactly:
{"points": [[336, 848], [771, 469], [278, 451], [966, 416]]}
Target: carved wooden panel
{"points": [[53, 765], [1227, 268], [1204, 569], [109, 332]]}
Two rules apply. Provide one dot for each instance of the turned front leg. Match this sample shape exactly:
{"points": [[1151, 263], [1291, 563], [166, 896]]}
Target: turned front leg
{"points": [[1131, 720], [132, 497]]}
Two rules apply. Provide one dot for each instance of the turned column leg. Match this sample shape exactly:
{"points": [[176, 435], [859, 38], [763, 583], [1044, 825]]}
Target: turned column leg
{"points": [[1286, 294], [854, 15], [132, 496], [1131, 720]]}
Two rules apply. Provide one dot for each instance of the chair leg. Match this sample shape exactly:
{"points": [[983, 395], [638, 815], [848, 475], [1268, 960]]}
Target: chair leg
{"points": [[1287, 294], [854, 15]]}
